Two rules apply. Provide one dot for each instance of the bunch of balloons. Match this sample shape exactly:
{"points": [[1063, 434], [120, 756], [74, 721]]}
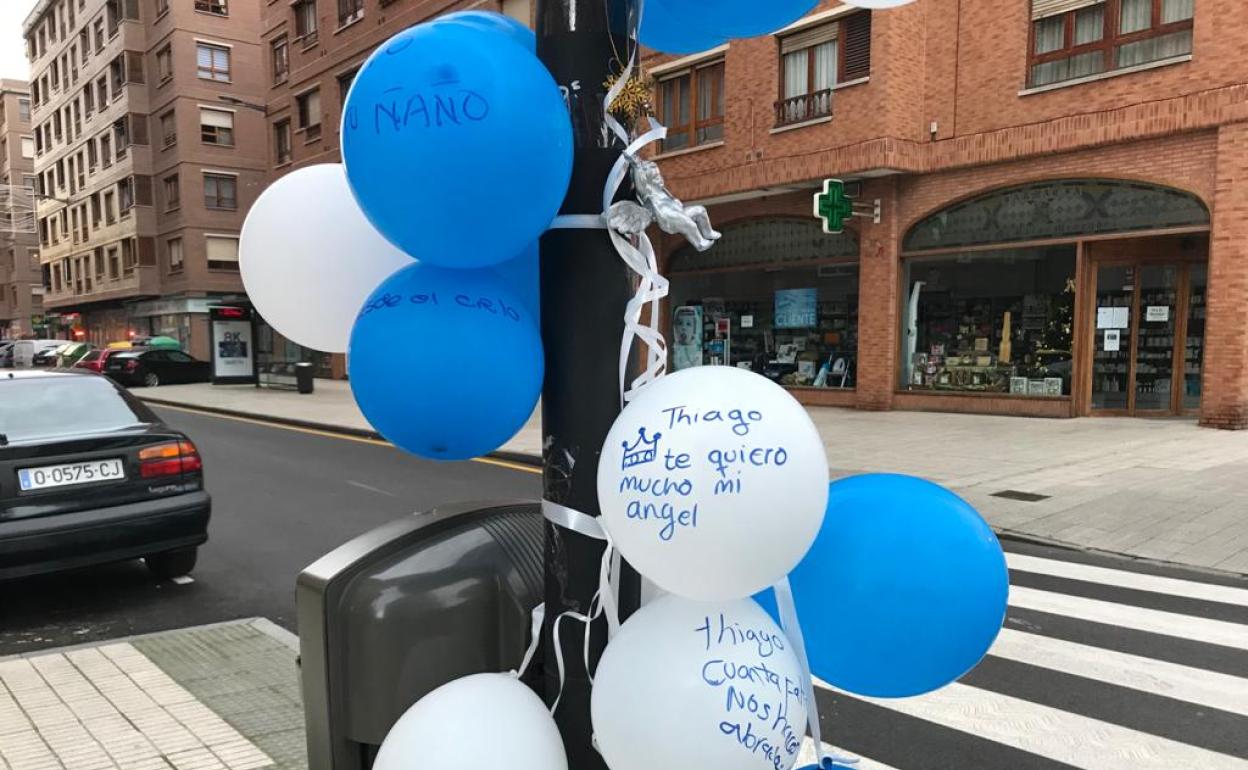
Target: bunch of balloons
{"points": [[410, 256], [714, 485]]}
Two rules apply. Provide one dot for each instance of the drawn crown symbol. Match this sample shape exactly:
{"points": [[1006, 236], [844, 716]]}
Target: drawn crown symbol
{"points": [[641, 451]]}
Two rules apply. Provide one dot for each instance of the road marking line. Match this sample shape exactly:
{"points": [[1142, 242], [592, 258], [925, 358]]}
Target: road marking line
{"points": [[367, 488], [329, 434], [1125, 579], [1049, 732], [1159, 677], [183, 580], [808, 756], [1129, 616]]}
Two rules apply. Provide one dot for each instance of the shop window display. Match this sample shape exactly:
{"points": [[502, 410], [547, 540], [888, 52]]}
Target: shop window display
{"points": [[796, 326], [998, 322]]}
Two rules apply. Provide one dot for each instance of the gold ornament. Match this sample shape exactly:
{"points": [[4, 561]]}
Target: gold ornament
{"points": [[633, 100]]}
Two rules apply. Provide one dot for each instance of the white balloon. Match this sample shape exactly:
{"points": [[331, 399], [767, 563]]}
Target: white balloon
{"points": [[484, 720], [713, 483], [309, 258], [877, 3], [689, 684]]}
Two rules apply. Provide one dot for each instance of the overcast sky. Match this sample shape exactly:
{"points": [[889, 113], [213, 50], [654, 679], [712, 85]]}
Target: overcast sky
{"points": [[12, 47]]}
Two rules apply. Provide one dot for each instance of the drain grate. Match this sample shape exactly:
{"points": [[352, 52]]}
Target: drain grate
{"points": [[1026, 497]]}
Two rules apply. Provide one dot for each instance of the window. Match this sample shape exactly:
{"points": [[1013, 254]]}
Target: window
{"points": [[305, 21], [164, 63], [691, 103], [816, 59], [173, 195], [162, 7], [29, 182], [216, 127], [344, 84], [125, 195], [109, 215], [99, 33], [28, 147], [169, 129], [121, 138], [997, 322], [106, 154], [173, 249], [350, 11], [281, 60], [281, 141], [101, 87], [213, 61], [309, 104], [23, 110], [218, 7], [222, 252], [220, 192], [1076, 38]]}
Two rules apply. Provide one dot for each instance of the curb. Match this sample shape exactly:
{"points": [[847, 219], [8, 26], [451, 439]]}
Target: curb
{"points": [[519, 458]]}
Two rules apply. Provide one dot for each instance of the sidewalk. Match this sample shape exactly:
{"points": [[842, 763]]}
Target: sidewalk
{"points": [[1156, 489], [221, 697]]}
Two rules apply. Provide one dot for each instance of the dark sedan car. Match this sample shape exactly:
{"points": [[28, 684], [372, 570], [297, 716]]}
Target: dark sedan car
{"points": [[156, 367], [90, 475]]}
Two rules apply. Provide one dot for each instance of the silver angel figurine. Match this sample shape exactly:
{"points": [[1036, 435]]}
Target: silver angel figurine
{"points": [[658, 206]]}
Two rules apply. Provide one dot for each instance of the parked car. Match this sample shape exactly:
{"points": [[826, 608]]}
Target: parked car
{"points": [[26, 351], [94, 360], [90, 475], [71, 354], [141, 366], [6, 354], [49, 356]]}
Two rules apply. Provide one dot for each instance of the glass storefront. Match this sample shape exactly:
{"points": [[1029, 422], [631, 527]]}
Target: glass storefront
{"points": [[998, 322], [796, 325]]}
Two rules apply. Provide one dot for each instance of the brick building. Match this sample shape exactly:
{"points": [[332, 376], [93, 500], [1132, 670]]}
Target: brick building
{"points": [[146, 159], [21, 290], [1063, 198], [313, 50]]}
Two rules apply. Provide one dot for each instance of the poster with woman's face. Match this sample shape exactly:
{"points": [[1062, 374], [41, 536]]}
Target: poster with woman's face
{"points": [[686, 337]]}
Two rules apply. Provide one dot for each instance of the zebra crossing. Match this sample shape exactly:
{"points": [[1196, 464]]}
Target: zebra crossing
{"points": [[1103, 664]]}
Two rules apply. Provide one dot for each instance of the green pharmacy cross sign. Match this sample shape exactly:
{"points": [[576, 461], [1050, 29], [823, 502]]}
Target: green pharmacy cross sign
{"points": [[833, 206]]}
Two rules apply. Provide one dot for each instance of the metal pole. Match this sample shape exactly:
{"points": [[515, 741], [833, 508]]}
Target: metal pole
{"points": [[585, 287]]}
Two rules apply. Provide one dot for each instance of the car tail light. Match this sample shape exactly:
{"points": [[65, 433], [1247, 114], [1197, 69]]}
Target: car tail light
{"points": [[171, 459]]}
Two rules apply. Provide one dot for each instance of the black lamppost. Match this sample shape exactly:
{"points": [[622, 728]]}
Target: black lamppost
{"points": [[585, 288]]}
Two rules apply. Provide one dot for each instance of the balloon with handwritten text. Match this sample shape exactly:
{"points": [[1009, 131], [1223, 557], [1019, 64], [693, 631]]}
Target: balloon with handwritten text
{"points": [[497, 22], [446, 364], [904, 590], [458, 144], [713, 482], [478, 721], [688, 684]]}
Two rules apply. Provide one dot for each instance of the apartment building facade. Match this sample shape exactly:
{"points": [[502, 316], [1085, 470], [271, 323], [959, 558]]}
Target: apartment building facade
{"points": [[147, 158], [21, 287], [1051, 200]]}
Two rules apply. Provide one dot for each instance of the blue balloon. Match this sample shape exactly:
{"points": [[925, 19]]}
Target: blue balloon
{"points": [[446, 364], [751, 18], [498, 22], [677, 26], [458, 147], [689, 26], [903, 591], [523, 276]]}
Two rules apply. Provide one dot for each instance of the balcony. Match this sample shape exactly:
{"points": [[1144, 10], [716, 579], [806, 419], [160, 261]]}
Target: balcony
{"points": [[135, 281], [803, 108]]}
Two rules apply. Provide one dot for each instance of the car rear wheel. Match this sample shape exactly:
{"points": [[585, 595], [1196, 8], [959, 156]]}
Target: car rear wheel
{"points": [[151, 380], [171, 564]]}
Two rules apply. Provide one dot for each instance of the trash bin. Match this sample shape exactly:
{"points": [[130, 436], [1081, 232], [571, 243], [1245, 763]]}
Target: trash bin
{"points": [[303, 377]]}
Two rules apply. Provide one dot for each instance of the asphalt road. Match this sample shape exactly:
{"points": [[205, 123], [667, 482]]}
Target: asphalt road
{"points": [[281, 499]]}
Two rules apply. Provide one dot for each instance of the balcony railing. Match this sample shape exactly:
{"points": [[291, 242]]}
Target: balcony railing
{"points": [[799, 109]]}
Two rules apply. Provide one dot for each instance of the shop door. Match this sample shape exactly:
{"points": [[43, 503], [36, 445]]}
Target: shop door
{"points": [[1148, 339]]}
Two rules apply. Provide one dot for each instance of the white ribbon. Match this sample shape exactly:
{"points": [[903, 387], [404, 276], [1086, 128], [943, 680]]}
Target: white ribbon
{"points": [[793, 630], [605, 601]]}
